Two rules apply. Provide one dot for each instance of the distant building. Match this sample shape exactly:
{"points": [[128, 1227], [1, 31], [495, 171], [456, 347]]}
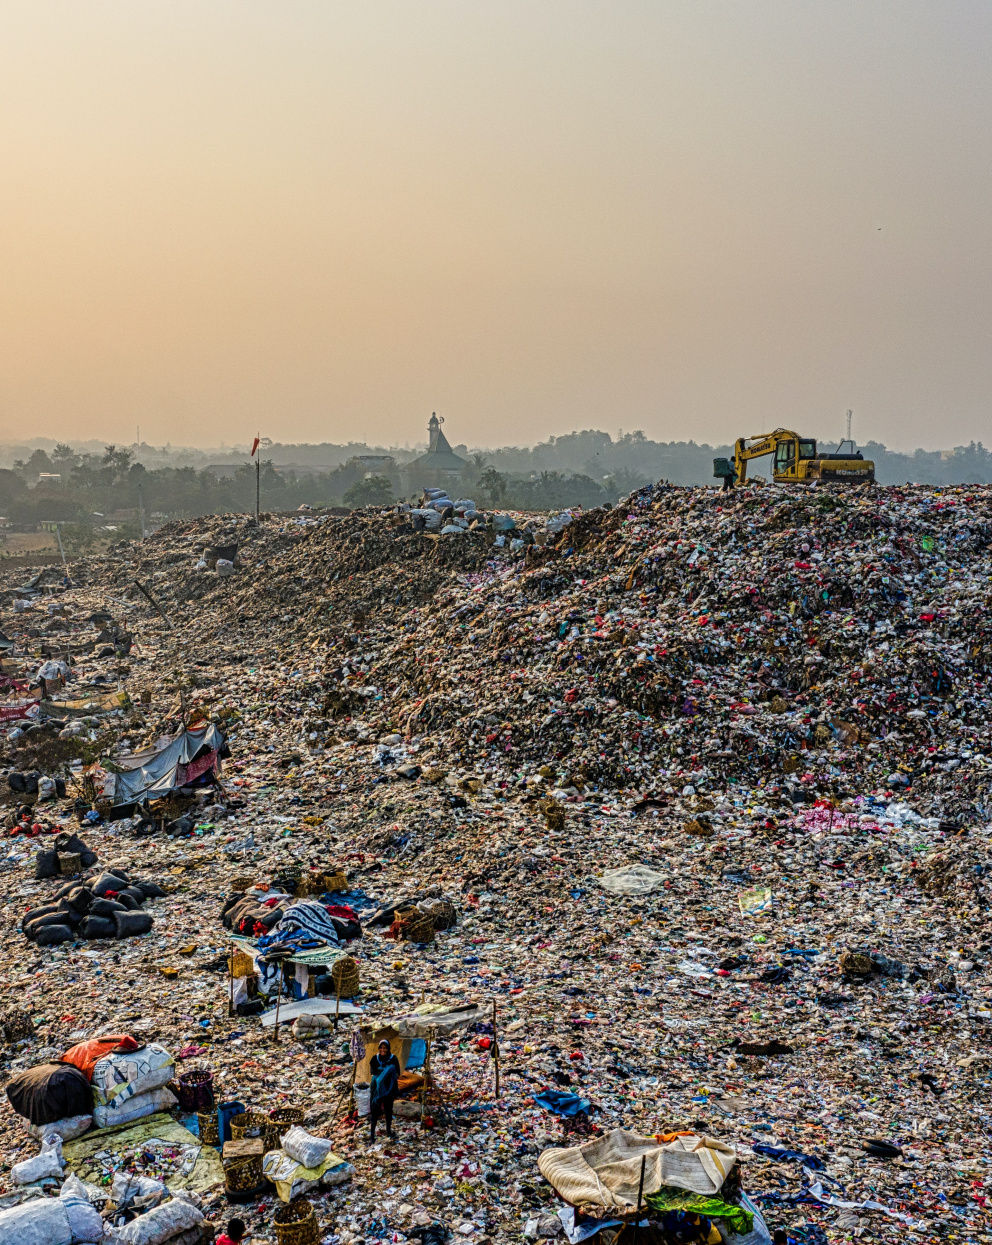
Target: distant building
{"points": [[440, 456], [375, 464]]}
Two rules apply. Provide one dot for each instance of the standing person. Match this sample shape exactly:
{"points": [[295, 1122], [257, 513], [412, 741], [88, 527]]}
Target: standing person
{"points": [[385, 1071]]}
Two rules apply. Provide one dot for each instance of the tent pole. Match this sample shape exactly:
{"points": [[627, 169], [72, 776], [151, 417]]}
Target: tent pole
{"points": [[495, 1048], [427, 1080]]}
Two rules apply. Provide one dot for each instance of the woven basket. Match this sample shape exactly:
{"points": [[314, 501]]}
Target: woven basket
{"points": [[286, 1116], [244, 1175], [444, 914], [241, 964], [248, 1124], [281, 1120], [336, 881], [419, 928], [196, 1090], [70, 863], [209, 1130], [16, 1024], [345, 975], [289, 877], [296, 1224], [242, 883]]}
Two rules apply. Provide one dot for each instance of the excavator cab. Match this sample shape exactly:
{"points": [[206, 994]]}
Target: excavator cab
{"points": [[789, 452]]}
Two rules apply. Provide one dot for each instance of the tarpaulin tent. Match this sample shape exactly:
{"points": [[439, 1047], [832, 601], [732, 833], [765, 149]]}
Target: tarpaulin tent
{"points": [[176, 763]]}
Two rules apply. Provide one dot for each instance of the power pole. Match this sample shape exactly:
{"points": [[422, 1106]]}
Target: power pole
{"points": [[58, 537]]}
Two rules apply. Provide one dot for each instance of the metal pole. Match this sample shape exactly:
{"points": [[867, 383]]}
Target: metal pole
{"points": [[495, 1048], [58, 537], [141, 513], [258, 486], [279, 981], [640, 1190]]}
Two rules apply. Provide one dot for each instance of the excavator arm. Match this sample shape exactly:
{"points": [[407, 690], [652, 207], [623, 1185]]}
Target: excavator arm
{"points": [[759, 447]]}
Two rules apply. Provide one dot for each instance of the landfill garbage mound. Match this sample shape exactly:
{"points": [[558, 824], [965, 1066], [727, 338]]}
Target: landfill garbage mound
{"points": [[655, 833]]}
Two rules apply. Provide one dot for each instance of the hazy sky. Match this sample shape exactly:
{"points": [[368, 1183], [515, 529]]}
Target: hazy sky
{"points": [[326, 220]]}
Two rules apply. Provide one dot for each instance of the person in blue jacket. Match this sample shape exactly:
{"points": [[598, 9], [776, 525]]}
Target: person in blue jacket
{"points": [[384, 1068]]}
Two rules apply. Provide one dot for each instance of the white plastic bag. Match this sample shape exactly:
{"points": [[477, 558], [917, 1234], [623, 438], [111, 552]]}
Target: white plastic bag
{"points": [[126, 1074], [69, 1129], [46, 1164], [134, 1108], [126, 1187], [41, 1221], [305, 1148], [85, 1221], [225, 568], [159, 1224]]}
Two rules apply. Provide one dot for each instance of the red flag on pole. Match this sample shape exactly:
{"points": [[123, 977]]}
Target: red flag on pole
{"points": [[254, 447]]}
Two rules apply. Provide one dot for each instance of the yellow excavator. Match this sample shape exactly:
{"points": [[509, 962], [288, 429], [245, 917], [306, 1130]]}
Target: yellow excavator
{"points": [[796, 461]]}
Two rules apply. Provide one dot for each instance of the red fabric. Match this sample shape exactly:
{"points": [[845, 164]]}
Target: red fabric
{"points": [[85, 1055], [189, 773], [224, 1239], [271, 903], [341, 910]]}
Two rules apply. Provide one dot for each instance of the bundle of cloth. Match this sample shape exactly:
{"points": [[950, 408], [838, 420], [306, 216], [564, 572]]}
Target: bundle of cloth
{"points": [[302, 1162], [108, 905], [104, 1081], [276, 919]]}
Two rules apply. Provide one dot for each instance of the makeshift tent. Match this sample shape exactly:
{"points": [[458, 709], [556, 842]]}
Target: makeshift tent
{"points": [[179, 762], [606, 1173]]}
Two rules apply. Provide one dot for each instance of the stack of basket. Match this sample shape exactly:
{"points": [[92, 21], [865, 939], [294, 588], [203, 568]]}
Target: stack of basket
{"points": [[248, 1124], [336, 880]]}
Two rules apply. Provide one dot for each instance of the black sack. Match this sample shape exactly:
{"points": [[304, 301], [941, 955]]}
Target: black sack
{"points": [[50, 1092], [131, 924], [106, 907], [46, 865], [52, 935], [97, 927]]}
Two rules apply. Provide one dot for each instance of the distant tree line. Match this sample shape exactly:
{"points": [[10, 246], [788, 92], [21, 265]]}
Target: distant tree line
{"points": [[580, 469]]}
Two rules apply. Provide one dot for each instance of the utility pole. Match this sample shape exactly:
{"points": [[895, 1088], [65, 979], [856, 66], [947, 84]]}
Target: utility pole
{"points": [[255, 450]]}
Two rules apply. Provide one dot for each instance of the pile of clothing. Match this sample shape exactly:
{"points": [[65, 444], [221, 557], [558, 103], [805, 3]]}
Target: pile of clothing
{"points": [[103, 1082], [106, 906], [275, 917]]}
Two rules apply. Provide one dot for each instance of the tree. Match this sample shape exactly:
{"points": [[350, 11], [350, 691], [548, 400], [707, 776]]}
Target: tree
{"points": [[116, 462], [371, 491], [492, 484], [77, 537], [64, 457], [36, 464]]}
